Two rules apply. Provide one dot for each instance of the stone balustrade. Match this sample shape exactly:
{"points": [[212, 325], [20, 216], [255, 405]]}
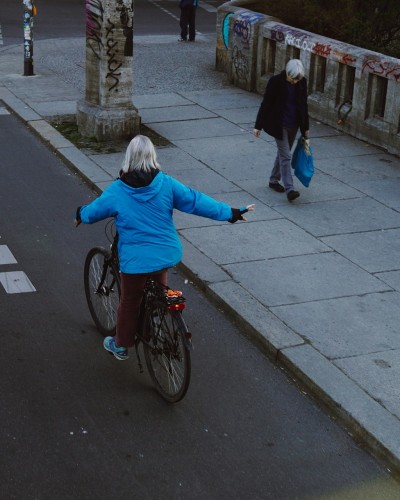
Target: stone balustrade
{"points": [[350, 88]]}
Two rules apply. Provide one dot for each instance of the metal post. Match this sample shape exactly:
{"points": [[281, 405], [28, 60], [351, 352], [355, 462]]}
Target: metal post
{"points": [[29, 12]]}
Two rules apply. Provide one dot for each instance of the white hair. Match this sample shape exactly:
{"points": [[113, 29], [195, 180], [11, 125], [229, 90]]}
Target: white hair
{"points": [[295, 69], [140, 155]]}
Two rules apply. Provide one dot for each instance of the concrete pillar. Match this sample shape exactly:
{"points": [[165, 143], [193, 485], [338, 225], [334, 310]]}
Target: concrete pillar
{"points": [[107, 112]]}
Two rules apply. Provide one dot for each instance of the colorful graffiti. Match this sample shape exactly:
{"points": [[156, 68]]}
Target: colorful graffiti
{"points": [[225, 30], [94, 23]]}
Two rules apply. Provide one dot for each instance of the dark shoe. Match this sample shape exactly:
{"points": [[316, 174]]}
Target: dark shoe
{"points": [[276, 187], [292, 195], [191, 39]]}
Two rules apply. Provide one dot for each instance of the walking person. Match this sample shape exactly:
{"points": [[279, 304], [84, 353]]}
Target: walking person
{"points": [[188, 19], [142, 202], [282, 112]]}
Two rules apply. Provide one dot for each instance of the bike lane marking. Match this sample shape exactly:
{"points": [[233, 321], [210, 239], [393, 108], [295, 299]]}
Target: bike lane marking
{"points": [[13, 281]]}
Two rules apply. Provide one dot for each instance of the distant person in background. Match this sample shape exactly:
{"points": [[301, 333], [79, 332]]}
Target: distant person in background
{"points": [[282, 112], [188, 19]]}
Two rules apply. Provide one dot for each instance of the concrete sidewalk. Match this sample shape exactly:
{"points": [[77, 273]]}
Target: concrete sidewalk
{"points": [[316, 282]]}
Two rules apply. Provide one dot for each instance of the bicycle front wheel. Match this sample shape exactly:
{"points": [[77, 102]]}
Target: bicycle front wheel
{"points": [[102, 289], [167, 352]]}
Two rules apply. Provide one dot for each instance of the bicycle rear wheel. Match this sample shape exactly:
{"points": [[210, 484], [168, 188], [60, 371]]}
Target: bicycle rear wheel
{"points": [[167, 352], [102, 289]]}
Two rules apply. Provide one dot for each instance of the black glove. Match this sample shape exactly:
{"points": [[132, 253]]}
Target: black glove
{"points": [[237, 214], [78, 219]]}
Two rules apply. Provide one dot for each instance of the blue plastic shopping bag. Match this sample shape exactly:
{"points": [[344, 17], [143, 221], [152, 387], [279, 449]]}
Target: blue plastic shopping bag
{"points": [[302, 163]]}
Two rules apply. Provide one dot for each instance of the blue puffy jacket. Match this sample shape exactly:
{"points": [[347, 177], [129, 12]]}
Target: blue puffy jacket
{"points": [[148, 240]]}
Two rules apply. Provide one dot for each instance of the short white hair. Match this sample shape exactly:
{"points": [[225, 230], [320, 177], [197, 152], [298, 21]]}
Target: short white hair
{"points": [[140, 155], [295, 69]]}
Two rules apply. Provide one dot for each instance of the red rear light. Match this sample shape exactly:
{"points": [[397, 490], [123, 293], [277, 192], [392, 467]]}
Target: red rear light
{"points": [[177, 307]]}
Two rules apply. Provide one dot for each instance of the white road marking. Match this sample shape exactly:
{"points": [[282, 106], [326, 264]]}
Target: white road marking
{"points": [[16, 282], [6, 257], [13, 281], [4, 111]]}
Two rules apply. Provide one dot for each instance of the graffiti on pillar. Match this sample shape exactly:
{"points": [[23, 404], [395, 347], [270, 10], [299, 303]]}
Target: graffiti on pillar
{"points": [[94, 23], [126, 17], [113, 60], [240, 62]]}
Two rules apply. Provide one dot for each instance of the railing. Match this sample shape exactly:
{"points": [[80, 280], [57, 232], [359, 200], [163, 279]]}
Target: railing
{"points": [[350, 88]]}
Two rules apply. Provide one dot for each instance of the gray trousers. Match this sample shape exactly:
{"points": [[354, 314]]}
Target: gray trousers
{"points": [[282, 167]]}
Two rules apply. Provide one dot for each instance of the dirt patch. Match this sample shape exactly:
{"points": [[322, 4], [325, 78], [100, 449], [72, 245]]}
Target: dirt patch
{"points": [[69, 129]]}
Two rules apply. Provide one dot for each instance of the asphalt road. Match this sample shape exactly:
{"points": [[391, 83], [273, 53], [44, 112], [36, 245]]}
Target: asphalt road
{"points": [[76, 423]]}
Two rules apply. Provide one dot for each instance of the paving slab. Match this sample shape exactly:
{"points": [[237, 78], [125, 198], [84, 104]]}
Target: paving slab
{"points": [[341, 216], [188, 129], [173, 160], [374, 251], [206, 180], [201, 266], [238, 115], [392, 278], [171, 99], [223, 98], [304, 278], [343, 146], [378, 374], [347, 326], [52, 109], [379, 166], [253, 241], [237, 157], [111, 162], [175, 113], [272, 333], [323, 187]]}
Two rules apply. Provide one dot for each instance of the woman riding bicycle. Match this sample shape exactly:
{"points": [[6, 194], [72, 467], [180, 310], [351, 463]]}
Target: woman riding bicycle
{"points": [[142, 202]]}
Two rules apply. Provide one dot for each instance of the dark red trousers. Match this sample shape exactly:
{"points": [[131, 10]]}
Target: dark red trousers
{"points": [[132, 286]]}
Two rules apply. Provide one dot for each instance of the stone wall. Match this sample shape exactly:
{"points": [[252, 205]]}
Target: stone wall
{"points": [[350, 88]]}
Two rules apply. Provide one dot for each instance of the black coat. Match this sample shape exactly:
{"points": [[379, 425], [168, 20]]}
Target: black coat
{"points": [[270, 114]]}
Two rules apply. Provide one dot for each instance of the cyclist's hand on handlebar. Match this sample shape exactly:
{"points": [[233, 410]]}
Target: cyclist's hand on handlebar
{"points": [[237, 213]]}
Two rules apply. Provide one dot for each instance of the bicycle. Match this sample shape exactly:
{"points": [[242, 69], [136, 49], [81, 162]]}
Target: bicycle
{"points": [[162, 330]]}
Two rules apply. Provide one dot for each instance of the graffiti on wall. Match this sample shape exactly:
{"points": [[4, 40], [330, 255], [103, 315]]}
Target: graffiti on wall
{"points": [[225, 29], [240, 63], [381, 67]]}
